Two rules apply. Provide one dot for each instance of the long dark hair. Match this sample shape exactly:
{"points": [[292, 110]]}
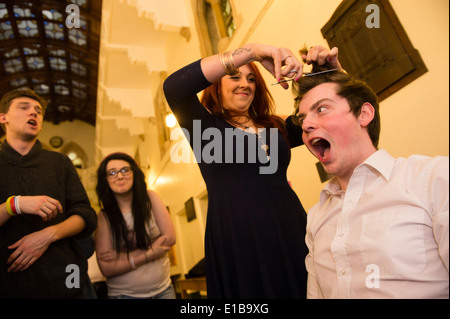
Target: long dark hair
{"points": [[261, 110], [140, 209]]}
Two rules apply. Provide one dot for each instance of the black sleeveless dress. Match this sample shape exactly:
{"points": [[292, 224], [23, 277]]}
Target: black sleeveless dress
{"points": [[255, 230]]}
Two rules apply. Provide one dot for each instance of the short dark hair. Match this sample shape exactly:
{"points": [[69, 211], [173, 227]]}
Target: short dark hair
{"points": [[356, 93], [8, 97], [22, 92]]}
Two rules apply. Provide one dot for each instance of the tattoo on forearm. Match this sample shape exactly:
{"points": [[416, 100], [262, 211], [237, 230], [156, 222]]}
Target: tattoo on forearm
{"points": [[240, 51]]}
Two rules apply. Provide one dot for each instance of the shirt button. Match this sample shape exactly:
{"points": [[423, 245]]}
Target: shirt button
{"points": [[343, 272], [341, 235]]}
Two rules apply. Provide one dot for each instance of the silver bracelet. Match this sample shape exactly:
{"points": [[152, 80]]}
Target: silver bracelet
{"points": [[133, 266]]}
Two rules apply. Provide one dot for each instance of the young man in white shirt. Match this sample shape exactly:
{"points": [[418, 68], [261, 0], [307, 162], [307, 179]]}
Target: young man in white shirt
{"points": [[380, 229]]}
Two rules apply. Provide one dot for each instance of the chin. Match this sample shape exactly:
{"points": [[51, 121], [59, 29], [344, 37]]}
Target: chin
{"points": [[29, 137], [328, 169]]}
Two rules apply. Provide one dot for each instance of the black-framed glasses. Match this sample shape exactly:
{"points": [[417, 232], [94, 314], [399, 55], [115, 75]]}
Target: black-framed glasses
{"points": [[125, 171]]}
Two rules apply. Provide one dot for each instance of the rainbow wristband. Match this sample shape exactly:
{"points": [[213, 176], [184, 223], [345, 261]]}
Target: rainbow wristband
{"points": [[10, 207]]}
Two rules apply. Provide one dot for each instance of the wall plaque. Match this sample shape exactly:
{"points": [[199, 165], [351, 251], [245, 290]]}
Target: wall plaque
{"points": [[373, 46]]}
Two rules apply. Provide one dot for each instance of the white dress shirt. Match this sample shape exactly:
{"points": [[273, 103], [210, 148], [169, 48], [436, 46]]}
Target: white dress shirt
{"points": [[386, 236]]}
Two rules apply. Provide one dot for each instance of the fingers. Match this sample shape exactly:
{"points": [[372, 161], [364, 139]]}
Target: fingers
{"points": [[43, 206], [290, 67], [18, 259], [277, 63], [317, 54], [333, 58], [329, 56], [54, 206], [161, 240], [159, 246], [321, 55], [57, 204], [162, 250], [47, 211], [280, 62], [21, 263], [166, 248]]}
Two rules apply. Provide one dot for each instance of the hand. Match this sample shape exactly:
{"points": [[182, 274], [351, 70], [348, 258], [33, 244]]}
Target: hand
{"points": [[43, 206], [29, 249], [278, 61], [321, 55], [158, 248]]}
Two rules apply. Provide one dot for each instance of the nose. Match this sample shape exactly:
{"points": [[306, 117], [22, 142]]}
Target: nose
{"points": [[308, 124], [34, 112], [244, 82]]}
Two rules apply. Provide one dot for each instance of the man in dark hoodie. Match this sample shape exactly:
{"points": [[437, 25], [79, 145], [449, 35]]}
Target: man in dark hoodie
{"points": [[44, 213]]}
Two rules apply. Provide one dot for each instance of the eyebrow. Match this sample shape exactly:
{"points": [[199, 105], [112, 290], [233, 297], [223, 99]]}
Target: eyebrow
{"points": [[314, 106]]}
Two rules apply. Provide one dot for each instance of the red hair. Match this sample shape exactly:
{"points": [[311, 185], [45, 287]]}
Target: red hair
{"points": [[261, 111]]}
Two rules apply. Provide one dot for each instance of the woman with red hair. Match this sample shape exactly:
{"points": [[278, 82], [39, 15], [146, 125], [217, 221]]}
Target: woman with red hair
{"points": [[255, 232]]}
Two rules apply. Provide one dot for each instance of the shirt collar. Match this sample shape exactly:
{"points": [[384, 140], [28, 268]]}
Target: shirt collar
{"points": [[381, 161], [12, 156]]}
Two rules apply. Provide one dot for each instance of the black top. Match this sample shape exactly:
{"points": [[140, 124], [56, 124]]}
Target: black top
{"points": [[255, 232], [42, 172]]}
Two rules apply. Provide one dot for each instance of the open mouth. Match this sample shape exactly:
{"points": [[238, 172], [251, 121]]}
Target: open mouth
{"points": [[322, 148], [32, 122]]}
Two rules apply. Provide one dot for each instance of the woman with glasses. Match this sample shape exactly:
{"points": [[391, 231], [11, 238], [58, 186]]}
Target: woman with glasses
{"points": [[134, 233]]}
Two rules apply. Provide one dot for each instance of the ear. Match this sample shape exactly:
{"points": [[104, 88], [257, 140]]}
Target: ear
{"points": [[3, 119], [367, 114]]}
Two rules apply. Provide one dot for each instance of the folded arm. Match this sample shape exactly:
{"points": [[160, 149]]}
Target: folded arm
{"points": [[31, 247]]}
